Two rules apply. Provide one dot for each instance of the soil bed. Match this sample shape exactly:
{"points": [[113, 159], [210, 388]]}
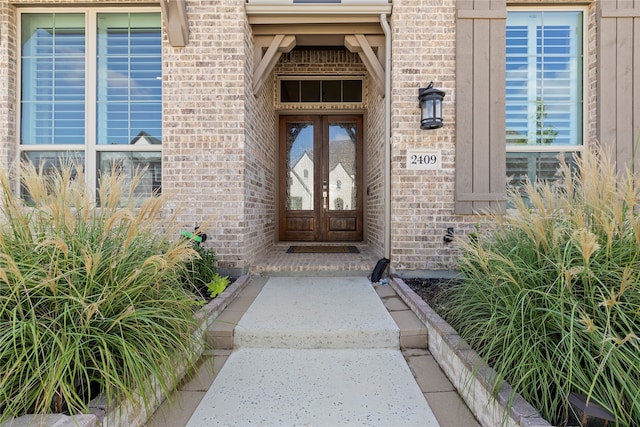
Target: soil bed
{"points": [[432, 290]]}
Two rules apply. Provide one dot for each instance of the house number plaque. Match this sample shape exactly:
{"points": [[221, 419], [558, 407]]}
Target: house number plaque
{"points": [[424, 159]]}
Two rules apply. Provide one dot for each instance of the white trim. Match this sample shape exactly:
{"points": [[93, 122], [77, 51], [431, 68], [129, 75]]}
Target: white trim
{"points": [[91, 93], [368, 3], [268, 7], [544, 148]]}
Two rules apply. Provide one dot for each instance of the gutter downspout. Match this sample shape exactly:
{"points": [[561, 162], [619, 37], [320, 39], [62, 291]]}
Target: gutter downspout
{"points": [[387, 135]]}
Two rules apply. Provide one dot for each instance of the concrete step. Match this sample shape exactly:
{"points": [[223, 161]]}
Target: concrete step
{"points": [[315, 351], [413, 333], [314, 387], [317, 312]]}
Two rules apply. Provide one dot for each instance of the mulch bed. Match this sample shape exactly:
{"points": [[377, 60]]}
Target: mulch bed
{"points": [[432, 290]]}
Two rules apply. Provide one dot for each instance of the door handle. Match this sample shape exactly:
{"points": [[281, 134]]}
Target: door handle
{"points": [[324, 194]]}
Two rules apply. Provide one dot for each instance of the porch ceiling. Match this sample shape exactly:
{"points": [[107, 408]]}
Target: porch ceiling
{"points": [[279, 28]]}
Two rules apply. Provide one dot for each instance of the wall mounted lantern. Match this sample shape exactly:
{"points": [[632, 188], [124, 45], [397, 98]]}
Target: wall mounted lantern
{"points": [[430, 107]]}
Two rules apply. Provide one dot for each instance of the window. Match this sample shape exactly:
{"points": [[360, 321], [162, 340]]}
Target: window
{"points": [[91, 89], [544, 92], [311, 90]]}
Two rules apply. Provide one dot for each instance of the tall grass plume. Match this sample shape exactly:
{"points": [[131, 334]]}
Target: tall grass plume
{"points": [[551, 295], [92, 298]]}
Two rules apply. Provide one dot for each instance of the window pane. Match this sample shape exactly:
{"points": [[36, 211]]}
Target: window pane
{"points": [[148, 165], [290, 90], [320, 90], [331, 91], [53, 159], [535, 167], [53, 79], [352, 91], [50, 161], [310, 91], [129, 78], [544, 78]]}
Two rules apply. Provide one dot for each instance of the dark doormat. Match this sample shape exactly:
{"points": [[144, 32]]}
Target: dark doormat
{"points": [[322, 249]]}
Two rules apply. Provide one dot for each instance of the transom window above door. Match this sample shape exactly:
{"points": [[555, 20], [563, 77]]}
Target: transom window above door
{"points": [[295, 91]]}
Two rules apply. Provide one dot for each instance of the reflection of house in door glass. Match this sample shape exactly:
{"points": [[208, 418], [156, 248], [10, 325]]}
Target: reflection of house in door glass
{"points": [[342, 167], [301, 184], [342, 189]]}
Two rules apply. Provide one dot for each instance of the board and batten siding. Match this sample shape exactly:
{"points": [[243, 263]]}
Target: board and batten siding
{"points": [[619, 81], [480, 105]]}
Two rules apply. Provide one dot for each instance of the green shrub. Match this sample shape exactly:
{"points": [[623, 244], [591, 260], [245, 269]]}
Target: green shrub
{"points": [[551, 295], [217, 285], [91, 298], [200, 270]]}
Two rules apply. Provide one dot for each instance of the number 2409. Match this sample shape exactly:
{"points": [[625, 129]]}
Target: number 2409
{"points": [[424, 159]]}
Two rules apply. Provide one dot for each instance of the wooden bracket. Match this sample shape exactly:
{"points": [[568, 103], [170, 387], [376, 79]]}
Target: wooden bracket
{"points": [[175, 20], [263, 64], [360, 43]]}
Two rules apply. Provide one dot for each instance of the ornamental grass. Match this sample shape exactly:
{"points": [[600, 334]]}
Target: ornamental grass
{"points": [[551, 295], [91, 298]]}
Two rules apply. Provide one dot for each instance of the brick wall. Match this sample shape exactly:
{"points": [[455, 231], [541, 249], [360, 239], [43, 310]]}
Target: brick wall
{"points": [[422, 201], [374, 166], [260, 161], [220, 141], [204, 136], [8, 92]]}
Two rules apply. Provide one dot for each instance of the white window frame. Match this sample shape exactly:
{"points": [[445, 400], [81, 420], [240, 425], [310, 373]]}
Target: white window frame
{"points": [[585, 60], [90, 148]]}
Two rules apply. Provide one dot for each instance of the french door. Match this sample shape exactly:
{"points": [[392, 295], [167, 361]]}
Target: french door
{"points": [[320, 178]]}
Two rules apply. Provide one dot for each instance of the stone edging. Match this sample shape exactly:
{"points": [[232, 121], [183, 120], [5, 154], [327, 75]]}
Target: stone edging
{"points": [[470, 375], [126, 415]]}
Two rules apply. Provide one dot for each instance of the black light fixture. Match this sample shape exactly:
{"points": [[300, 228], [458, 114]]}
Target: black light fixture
{"points": [[430, 107]]}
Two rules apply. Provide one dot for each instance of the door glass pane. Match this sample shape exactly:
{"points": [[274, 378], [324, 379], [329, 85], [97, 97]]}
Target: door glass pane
{"points": [[342, 167], [299, 166]]}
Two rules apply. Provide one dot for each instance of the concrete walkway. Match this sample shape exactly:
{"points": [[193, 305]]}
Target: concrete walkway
{"points": [[317, 351]]}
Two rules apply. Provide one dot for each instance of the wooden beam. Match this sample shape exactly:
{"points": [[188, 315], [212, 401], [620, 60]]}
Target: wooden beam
{"points": [[174, 14], [315, 28], [359, 43], [280, 44]]}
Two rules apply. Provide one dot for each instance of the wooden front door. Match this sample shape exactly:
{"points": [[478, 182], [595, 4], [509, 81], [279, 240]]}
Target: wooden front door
{"points": [[321, 178]]}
